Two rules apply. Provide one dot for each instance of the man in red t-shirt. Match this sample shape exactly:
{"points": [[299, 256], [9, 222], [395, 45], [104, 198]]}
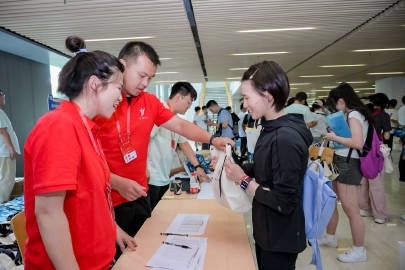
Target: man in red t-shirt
{"points": [[125, 136]]}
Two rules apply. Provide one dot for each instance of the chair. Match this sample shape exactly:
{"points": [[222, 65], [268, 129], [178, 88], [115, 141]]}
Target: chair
{"points": [[18, 225]]}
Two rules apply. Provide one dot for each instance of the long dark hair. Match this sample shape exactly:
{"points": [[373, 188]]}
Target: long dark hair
{"points": [[353, 102]]}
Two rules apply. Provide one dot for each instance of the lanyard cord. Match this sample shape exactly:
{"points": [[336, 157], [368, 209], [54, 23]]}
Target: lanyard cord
{"points": [[128, 126], [99, 151]]}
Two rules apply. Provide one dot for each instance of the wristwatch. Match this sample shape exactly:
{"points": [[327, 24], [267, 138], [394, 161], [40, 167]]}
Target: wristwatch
{"points": [[245, 182], [197, 166]]}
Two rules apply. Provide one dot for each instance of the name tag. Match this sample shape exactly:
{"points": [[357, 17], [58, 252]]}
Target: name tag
{"points": [[128, 151]]}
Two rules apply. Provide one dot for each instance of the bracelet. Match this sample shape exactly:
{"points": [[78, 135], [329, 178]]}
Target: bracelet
{"points": [[212, 138], [197, 166], [245, 182]]}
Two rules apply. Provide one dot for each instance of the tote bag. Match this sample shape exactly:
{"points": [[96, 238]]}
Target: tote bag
{"points": [[226, 192]]}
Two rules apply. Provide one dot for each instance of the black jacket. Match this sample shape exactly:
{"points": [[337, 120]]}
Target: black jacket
{"points": [[280, 162]]}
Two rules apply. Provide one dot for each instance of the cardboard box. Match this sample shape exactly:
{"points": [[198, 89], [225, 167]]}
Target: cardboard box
{"points": [[18, 188]]}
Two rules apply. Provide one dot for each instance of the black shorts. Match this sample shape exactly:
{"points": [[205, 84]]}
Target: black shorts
{"points": [[349, 172]]}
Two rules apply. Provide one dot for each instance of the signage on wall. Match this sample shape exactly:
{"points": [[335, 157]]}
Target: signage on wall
{"points": [[53, 103]]}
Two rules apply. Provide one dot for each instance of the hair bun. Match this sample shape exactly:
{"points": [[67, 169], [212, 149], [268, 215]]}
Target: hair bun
{"points": [[75, 44]]}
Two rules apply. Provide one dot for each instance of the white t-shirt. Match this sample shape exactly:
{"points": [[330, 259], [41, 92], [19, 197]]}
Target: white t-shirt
{"points": [[320, 128], [201, 121], [5, 123], [343, 152], [161, 153]]}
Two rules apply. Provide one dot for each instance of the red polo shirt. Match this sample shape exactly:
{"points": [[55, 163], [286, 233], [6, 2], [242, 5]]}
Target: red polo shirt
{"points": [[146, 110], [59, 156]]}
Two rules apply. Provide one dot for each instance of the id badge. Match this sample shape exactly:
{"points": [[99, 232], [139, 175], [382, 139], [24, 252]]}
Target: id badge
{"points": [[128, 151]]}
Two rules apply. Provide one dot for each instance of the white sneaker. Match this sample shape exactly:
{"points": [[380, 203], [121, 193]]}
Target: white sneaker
{"points": [[380, 220], [353, 256], [365, 213], [328, 241]]}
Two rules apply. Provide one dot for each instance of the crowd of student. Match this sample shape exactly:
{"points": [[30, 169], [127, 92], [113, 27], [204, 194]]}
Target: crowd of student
{"points": [[103, 157]]}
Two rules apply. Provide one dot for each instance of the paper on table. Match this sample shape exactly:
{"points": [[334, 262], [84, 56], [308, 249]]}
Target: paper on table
{"points": [[193, 224], [206, 191], [178, 258]]}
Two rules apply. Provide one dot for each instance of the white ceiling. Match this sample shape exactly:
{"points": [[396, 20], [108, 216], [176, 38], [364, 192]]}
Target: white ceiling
{"points": [[378, 24]]}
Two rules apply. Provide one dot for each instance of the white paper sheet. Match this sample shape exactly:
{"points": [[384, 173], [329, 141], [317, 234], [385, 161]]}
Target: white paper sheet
{"points": [[191, 224], [206, 192], [179, 258]]}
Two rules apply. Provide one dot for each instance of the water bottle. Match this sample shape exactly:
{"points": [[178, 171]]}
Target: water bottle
{"points": [[194, 185]]}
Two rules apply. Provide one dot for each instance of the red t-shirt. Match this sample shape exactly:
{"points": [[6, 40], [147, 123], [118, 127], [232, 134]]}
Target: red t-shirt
{"points": [[146, 110], [59, 156]]}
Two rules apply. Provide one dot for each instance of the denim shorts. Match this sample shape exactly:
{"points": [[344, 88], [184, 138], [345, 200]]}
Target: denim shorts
{"points": [[349, 172]]}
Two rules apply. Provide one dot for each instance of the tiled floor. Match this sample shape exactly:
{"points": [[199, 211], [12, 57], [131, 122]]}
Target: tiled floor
{"points": [[381, 239]]}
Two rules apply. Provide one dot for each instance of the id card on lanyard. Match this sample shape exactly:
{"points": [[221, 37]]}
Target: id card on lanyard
{"points": [[127, 149]]}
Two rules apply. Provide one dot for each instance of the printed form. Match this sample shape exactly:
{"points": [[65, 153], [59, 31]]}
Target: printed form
{"points": [[189, 224]]}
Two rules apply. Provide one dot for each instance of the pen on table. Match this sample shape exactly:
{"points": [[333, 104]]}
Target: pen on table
{"points": [[173, 244], [179, 234]]}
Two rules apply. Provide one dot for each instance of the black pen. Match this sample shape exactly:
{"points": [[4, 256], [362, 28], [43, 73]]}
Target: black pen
{"points": [[178, 234], [173, 244]]}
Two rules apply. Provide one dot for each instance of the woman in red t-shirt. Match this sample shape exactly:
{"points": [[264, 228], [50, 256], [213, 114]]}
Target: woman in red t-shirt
{"points": [[70, 222]]}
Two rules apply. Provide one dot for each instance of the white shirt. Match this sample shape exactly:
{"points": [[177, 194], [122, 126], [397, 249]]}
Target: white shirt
{"points": [[161, 153], [343, 152], [320, 128], [5, 123], [201, 121]]}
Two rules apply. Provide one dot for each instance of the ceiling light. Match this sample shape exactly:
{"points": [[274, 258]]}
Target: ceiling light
{"points": [[338, 66], [329, 87], [112, 39], [385, 73], [276, 30], [166, 81], [366, 88], [259, 53], [166, 72], [238, 68], [355, 82], [163, 59], [315, 76], [304, 83], [380, 50], [233, 78], [320, 90]]}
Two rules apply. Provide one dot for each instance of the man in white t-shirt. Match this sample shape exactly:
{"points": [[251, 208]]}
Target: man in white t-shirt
{"points": [[299, 107], [163, 143], [9, 150]]}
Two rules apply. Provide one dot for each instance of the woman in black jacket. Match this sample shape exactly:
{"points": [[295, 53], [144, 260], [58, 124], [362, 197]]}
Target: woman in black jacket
{"points": [[275, 178]]}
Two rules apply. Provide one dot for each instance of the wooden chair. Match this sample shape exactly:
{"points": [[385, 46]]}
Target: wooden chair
{"points": [[18, 225]]}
